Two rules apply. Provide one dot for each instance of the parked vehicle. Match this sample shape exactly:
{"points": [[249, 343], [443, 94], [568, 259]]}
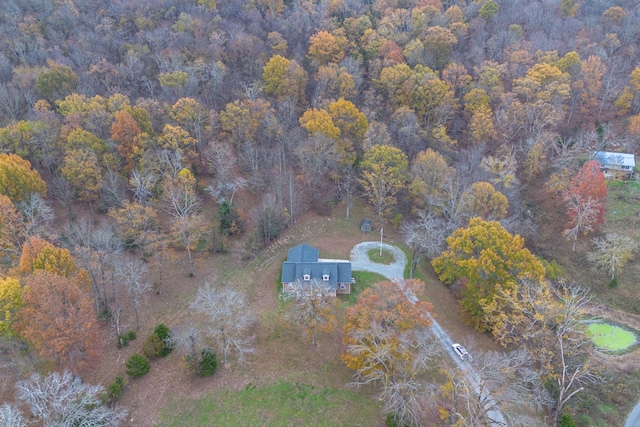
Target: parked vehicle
{"points": [[460, 351]]}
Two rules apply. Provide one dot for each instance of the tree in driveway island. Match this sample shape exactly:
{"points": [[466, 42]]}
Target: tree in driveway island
{"points": [[480, 257], [387, 340]]}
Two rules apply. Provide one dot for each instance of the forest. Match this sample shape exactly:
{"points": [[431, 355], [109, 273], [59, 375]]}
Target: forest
{"points": [[159, 149]]}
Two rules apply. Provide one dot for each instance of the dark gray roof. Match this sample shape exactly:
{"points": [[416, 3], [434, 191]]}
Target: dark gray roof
{"points": [[339, 272], [293, 270], [303, 253]]}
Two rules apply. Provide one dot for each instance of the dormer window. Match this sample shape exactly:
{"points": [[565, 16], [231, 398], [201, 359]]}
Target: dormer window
{"points": [[306, 277], [325, 277]]}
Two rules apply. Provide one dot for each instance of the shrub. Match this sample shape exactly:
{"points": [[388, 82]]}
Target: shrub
{"points": [[123, 340], [152, 346], [164, 333], [207, 364], [613, 283], [137, 366], [104, 315], [114, 390], [158, 344], [393, 421], [566, 420], [132, 334]]}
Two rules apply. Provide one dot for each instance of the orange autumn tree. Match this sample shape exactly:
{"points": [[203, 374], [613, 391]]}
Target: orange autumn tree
{"points": [[585, 197], [38, 254], [59, 321], [125, 131], [388, 342], [381, 325]]}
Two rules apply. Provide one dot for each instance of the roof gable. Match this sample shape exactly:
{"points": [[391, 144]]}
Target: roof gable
{"points": [[303, 253]]}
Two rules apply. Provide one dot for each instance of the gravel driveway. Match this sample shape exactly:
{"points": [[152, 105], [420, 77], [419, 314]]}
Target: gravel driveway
{"points": [[360, 260]]}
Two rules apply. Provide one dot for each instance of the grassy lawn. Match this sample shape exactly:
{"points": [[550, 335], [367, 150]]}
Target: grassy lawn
{"points": [[623, 217], [278, 404], [607, 403], [364, 280], [623, 205], [381, 257], [290, 381]]}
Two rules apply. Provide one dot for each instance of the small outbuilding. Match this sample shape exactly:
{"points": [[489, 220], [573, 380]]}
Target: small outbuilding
{"points": [[365, 225]]}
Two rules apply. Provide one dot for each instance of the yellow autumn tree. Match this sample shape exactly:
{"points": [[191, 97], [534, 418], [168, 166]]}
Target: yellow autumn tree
{"points": [[480, 257], [10, 303], [384, 173], [317, 121], [429, 172], [324, 48], [483, 200], [353, 127], [18, 179], [284, 78], [12, 231]]}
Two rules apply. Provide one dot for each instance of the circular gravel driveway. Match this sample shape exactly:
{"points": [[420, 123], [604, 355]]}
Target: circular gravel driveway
{"points": [[360, 260]]}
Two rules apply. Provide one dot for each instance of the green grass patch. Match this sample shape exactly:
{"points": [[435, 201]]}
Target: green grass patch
{"points": [[364, 280], [381, 257], [610, 337], [419, 273], [282, 403], [623, 203]]}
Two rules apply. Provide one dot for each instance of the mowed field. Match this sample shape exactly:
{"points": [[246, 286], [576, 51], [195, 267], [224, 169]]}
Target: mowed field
{"points": [[287, 381]]}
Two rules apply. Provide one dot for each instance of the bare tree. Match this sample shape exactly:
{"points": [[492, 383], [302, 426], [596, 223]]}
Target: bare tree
{"points": [[96, 249], [225, 191], [506, 381], [225, 320], [113, 189], [187, 339], [316, 156], [10, 416], [585, 215], [612, 252], [425, 236], [312, 306], [131, 272], [62, 190], [220, 159], [449, 202], [408, 393], [171, 161], [572, 346], [142, 183], [182, 203], [37, 213], [347, 185], [62, 399]]}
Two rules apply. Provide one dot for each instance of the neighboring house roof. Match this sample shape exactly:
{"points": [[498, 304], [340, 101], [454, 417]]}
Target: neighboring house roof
{"points": [[303, 260], [608, 158]]}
